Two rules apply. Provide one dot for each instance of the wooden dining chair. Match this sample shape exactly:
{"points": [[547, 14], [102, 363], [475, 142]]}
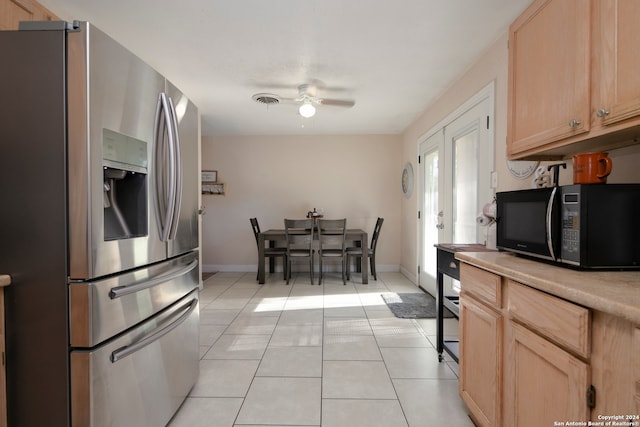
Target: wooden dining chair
{"points": [[332, 235], [357, 251], [299, 237], [278, 252]]}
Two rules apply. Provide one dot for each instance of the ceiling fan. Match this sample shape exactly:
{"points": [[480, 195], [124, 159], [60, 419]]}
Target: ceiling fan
{"points": [[307, 100]]}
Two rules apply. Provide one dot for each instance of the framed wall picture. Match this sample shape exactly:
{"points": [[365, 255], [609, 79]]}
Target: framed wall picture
{"points": [[209, 176]]}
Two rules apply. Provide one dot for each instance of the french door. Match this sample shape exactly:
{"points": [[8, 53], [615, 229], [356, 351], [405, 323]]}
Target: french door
{"points": [[456, 164]]}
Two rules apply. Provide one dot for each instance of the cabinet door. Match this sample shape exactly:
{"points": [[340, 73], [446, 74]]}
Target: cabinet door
{"points": [[549, 74], [617, 54], [545, 383], [615, 365], [481, 337], [14, 11], [636, 366], [3, 379]]}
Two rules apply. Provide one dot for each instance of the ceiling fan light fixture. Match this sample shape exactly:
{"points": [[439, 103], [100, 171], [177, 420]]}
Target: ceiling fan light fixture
{"points": [[307, 110]]}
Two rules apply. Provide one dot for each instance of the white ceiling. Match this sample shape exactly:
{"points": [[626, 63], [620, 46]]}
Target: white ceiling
{"points": [[393, 58]]}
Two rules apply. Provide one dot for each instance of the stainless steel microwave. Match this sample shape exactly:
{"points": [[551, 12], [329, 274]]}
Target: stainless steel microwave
{"points": [[593, 226]]}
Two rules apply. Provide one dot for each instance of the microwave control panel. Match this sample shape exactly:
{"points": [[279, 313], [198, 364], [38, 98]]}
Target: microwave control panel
{"points": [[570, 249]]}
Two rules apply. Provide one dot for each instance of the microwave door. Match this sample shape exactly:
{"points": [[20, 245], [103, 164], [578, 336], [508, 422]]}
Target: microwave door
{"points": [[528, 222]]}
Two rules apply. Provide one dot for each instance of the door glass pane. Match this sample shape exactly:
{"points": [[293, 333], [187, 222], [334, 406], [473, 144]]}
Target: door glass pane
{"points": [[465, 187], [431, 218]]}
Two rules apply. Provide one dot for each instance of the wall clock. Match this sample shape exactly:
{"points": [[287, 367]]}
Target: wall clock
{"points": [[522, 169], [407, 180]]}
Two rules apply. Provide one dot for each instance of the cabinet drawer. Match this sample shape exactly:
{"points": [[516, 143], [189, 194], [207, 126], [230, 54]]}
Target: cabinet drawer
{"points": [[565, 323], [448, 264], [482, 284]]}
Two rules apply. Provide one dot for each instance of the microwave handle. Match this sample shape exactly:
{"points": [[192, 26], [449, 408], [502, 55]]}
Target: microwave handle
{"points": [[550, 210]]}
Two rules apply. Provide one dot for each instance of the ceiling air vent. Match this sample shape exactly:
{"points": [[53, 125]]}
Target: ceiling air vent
{"points": [[266, 98]]}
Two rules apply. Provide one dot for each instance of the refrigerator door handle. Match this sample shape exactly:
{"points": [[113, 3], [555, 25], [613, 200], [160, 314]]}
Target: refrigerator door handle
{"points": [[178, 173], [165, 182], [121, 291], [127, 350]]}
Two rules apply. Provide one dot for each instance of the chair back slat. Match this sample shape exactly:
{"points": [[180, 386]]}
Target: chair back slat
{"points": [[376, 234], [299, 237], [255, 227], [332, 233], [299, 233]]}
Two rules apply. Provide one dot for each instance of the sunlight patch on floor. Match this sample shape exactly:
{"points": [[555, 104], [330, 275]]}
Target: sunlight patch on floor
{"points": [[318, 301]]}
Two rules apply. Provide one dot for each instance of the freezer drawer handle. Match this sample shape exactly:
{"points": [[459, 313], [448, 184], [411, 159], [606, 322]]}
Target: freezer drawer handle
{"points": [[121, 291], [125, 351]]}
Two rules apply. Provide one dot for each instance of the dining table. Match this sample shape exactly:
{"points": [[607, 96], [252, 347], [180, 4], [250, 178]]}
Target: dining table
{"points": [[357, 236]]}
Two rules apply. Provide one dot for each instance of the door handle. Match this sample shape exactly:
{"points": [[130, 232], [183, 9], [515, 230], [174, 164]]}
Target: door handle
{"points": [[440, 224], [177, 183], [165, 156]]}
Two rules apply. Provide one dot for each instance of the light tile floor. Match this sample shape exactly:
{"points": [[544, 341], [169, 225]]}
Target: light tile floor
{"points": [[331, 356]]}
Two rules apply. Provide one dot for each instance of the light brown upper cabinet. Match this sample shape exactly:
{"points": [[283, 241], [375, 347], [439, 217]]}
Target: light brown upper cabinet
{"points": [[617, 56], [14, 11], [573, 80]]}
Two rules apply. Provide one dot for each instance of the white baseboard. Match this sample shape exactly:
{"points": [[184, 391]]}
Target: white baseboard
{"points": [[211, 268], [409, 275], [214, 268]]}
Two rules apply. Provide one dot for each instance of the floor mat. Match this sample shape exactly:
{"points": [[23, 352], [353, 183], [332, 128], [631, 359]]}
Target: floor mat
{"points": [[413, 305]]}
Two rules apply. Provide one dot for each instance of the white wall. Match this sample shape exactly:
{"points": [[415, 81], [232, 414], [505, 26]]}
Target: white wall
{"points": [[357, 177], [273, 177]]}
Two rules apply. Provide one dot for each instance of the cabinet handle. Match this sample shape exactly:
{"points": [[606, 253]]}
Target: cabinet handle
{"points": [[574, 123], [602, 112]]}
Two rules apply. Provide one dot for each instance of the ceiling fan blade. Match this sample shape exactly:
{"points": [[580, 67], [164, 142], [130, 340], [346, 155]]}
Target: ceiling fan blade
{"points": [[337, 102], [290, 100]]}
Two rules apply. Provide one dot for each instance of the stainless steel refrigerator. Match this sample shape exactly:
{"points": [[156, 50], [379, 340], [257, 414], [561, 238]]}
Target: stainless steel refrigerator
{"points": [[98, 230]]}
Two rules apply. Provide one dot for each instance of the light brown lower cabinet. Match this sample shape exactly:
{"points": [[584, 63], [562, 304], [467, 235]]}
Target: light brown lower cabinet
{"points": [[528, 358], [544, 383], [480, 383], [615, 366], [3, 378]]}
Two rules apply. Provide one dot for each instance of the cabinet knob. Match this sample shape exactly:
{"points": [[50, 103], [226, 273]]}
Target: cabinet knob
{"points": [[574, 123], [602, 112]]}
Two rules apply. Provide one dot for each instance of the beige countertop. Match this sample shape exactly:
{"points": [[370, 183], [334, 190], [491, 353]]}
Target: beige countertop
{"points": [[5, 280], [613, 292]]}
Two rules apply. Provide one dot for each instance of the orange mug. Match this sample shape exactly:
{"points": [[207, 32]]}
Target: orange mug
{"points": [[591, 168]]}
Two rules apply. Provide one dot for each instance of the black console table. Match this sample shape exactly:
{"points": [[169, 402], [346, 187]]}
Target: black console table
{"points": [[449, 265]]}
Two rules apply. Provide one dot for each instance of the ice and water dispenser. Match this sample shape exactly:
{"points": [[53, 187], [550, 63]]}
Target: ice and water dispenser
{"points": [[125, 172]]}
